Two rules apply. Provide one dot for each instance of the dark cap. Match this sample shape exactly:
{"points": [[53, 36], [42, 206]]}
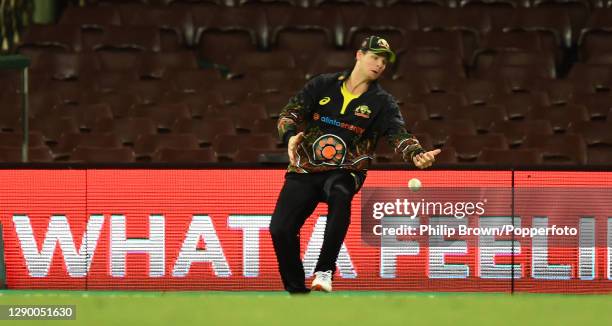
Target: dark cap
{"points": [[378, 45]]}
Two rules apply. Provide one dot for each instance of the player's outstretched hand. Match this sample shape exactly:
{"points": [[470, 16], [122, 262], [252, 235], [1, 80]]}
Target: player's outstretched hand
{"points": [[292, 147], [425, 160]]}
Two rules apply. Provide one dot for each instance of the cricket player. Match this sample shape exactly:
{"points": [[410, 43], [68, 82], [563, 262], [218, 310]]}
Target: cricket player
{"points": [[331, 128]]}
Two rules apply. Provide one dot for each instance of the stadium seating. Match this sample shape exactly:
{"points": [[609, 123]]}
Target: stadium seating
{"points": [[176, 81]]}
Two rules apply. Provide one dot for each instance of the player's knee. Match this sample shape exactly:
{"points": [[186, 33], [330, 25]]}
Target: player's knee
{"points": [[341, 195], [278, 230]]}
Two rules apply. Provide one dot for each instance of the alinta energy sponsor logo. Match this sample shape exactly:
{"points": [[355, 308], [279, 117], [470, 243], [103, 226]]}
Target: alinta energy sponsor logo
{"points": [[334, 122]]}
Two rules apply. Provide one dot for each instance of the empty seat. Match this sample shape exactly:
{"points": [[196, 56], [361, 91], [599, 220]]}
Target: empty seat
{"points": [[559, 149], [438, 40], [45, 38], [560, 117], [120, 103], [279, 80], [200, 104], [112, 61], [226, 146], [512, 41], [164, 115], [11, 82], [68, 93], [255, 155], [519, 79], [235, 92], [305, 19], [70, 141], [470, 147], [40, 103], [245, 115], [595, 37], [554, 23], [560, 91], [404, 91], [303, 42], [173, 155], [86, 116], [597, 77], [130, 129], [91, 17], [440, 130], [252, 62], [102, 155], [412, 112], [428, 58], [482, 116], [247, 20], [438, 105], [164, 65], [129, 39], [518, 105], [191, 81], [516, 131], [265, 126], [494, 63], [599, 156], [376, 21], [53, 128], [512, 157], [439, 79], [149, 92], [205, 130], [104, 83], [65, 66], [329, 62], [467, 20], [146, 145], [234, 42], [593, 133], [15, 140], [273, 103], [597, 104], [175, 23], [577, 10], [478, 91], [35, 154], [498, 12]]}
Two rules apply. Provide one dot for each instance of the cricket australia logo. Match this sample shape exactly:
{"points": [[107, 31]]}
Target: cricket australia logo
{"points": [[324, 100], [363, 111]]}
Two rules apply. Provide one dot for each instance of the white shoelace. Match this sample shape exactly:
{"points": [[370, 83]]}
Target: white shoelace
{"points": [[324, 276]]}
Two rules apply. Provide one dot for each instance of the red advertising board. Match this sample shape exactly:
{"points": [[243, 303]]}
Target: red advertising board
{"points": [[207, 230]]}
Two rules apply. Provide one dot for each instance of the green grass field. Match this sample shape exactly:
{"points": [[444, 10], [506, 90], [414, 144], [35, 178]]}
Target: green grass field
{"points": [[339, 308]]}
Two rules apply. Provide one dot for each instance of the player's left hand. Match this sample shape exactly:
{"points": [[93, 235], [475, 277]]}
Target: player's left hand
{"points": [[425, 160]]}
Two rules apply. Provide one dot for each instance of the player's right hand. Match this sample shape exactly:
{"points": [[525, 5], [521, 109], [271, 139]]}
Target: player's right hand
{"points": [[292, 147]]}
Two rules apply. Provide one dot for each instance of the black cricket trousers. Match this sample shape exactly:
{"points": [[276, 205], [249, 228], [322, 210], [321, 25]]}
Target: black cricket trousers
{"points": [[299, 197]]}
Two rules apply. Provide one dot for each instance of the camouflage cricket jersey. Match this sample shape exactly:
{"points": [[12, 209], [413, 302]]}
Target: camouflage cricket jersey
{"points": [[341, 130]]}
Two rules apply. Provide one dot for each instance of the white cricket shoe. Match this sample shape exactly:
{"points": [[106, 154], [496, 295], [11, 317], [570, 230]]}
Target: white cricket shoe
{"points": [[322, 281]]}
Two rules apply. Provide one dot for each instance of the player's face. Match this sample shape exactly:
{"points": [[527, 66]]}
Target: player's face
{"points": [[372, 64]]}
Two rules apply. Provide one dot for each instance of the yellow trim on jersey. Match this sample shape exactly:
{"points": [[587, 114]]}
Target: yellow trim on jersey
{"points": [[347, 97]]}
